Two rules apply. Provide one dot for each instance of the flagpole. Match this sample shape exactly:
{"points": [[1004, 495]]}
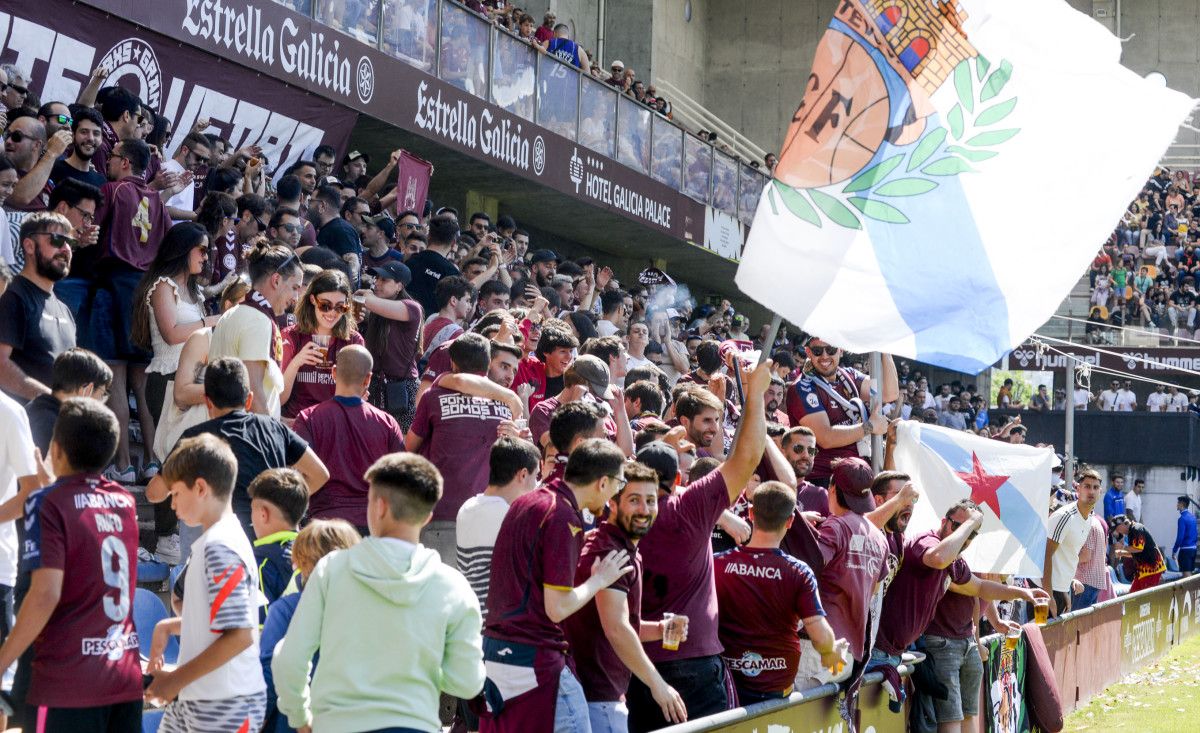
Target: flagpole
{"points": [[1069, 428], [876, 396]]}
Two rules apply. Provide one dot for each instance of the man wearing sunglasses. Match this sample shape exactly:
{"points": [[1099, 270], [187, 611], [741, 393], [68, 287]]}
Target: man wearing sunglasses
{"points": [[933, 565], [86, 136], [55, 116], [34, 155], [35, 326], [15, 86], [194, 154], [833, 401]]}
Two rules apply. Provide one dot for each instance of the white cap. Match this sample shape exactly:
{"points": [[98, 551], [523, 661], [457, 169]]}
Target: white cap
{"points": [[618, 63]]}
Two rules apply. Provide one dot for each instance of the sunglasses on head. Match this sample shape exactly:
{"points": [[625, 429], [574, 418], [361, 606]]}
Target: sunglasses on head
{"points": [[325, 306], [823, 350]]}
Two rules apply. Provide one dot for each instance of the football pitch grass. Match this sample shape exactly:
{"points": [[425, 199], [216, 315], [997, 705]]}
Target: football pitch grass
{"points": [[1164, 696]]}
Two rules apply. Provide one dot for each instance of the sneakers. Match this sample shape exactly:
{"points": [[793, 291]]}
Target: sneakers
{"points": [[145, 555], [168, 549], [127, 476], [151, 470]]}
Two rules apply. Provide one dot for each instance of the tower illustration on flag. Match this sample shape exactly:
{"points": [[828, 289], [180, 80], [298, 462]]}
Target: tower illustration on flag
{"points": [[914, 193], [1010, 483]]}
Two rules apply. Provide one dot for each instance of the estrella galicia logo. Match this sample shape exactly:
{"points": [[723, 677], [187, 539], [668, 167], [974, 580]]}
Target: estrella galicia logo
{"points": [[366, 80], [539, 155], [135, 58], [576, 169]]}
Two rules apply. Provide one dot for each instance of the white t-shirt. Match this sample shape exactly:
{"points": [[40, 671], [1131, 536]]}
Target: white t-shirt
{"points": [[1133, 505], [1126, 400], [632, 362], [1108, 400], [185, 199], [1177, 402], [478, 524], [1070, 530], [606, 328], [16, 460], [220, 592], [1156, 402], [1082, 397]]}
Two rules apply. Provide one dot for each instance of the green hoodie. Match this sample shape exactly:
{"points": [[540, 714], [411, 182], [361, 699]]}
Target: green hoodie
{"points": [[394, 627]]}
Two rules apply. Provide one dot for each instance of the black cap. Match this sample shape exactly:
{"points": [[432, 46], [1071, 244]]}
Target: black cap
{"points": [[384, 222], [393, 270], [663, 459], [543, 255]]}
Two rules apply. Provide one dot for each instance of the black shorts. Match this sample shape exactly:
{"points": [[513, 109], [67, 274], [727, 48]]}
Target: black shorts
{"points": [[122, 717]]}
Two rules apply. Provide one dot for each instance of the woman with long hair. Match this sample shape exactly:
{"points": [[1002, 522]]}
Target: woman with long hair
{"points": [[168, 307], [323, 326], [393, 331], [217, 214]]}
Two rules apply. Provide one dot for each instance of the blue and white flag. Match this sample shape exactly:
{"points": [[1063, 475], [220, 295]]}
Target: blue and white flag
{"points": [[1010, 483], [951, 171]]}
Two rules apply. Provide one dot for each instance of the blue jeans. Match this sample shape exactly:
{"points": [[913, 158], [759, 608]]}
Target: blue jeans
{"points": [[880, 658], [1187, 560], [571, 714], [609, 717], [1080, 601], [700, 681], [957, 665]]}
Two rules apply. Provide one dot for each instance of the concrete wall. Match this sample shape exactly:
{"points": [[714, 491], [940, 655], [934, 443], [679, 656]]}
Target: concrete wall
{"points": [[1163, 485], [680, 49]]}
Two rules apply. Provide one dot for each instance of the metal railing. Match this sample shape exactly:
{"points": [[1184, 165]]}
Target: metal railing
{"points": [[448, 40], [698, 116]]}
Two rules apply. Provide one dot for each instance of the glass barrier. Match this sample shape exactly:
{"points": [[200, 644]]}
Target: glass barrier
{"points": [[358, 18], [697, 167], [598, 116], [463, 60], [558, 96], [750, 187], [304, 7], [513, 75], [410, 32], [725, 181], [666, 161], [633, 134]]}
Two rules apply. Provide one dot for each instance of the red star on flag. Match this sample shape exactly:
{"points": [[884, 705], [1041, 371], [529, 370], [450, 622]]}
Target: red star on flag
{"points": [[983, 486]]}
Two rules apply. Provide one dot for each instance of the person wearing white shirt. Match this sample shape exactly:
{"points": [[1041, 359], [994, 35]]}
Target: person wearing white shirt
{"points": [[1082, 398], [1108, 398], [1157, 400], [1176, 400], [1126, 399], [1133, 500], [639, 339], [16, 463]]}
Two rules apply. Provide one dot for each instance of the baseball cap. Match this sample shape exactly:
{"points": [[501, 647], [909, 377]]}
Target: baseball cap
{"points": [[853, 476], [663, 459], [543, 255], [354, 155], [618, 65], [384, 222], [595, 373], [393, 270]]}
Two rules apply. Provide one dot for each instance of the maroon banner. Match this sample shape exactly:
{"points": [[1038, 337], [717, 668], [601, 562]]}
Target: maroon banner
{"points": [[60, 42], [295, 49], [412, 182]]}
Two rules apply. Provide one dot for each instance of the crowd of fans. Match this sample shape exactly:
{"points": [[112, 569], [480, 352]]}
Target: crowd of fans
{"points": [[1145, 274], [574, 502]]}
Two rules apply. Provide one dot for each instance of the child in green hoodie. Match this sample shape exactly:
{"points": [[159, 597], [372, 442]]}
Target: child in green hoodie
{"points": [[395, 626]]}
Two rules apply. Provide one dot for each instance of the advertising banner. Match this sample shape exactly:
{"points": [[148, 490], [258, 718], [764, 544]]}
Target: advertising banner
{"points": [[61, 42], [307, 55]]}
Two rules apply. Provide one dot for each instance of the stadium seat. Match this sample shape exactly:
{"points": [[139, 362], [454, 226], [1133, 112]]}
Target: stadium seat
{"points": [[148, 610], [151, 719], [1119, 588]]}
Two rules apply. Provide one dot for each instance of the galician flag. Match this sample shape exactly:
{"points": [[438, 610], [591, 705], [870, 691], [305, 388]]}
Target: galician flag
{"points": [[1010, 483], [953, 167]]}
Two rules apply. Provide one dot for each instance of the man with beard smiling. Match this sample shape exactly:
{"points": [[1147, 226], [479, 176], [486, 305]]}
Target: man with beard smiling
{"points": [[86, 134], [832, 401], [800, 448], [35, 326], [606, 634]]}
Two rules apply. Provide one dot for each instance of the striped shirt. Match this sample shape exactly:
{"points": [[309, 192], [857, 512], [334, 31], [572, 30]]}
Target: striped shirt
{"points": [[478, 523], [1093, 565]]}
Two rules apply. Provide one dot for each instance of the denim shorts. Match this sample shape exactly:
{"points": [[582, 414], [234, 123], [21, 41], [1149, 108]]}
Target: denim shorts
{"points": [[957, 665], [110, 322]]}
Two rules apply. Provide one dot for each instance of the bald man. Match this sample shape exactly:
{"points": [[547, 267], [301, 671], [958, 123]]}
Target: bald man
{"points": [[349, 435]]}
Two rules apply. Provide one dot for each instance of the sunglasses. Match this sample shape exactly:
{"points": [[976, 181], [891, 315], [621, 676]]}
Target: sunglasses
{"points": [[18, 137], [59, 240], [797, 448], [19, 90], [823, 350], [291, 227], [63, 120], [326, 307], [406, 225]]}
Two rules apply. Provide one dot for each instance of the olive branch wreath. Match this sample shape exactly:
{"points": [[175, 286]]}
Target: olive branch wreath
{"points": [[940, 152]]}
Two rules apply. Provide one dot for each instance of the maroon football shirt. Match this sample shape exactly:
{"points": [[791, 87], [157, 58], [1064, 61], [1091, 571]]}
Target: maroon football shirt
{"points": [[538, 547], [458, 431], [133, 221], [914, 594], [601, 672], [314, 384], [87, 655], [763, 595]]}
